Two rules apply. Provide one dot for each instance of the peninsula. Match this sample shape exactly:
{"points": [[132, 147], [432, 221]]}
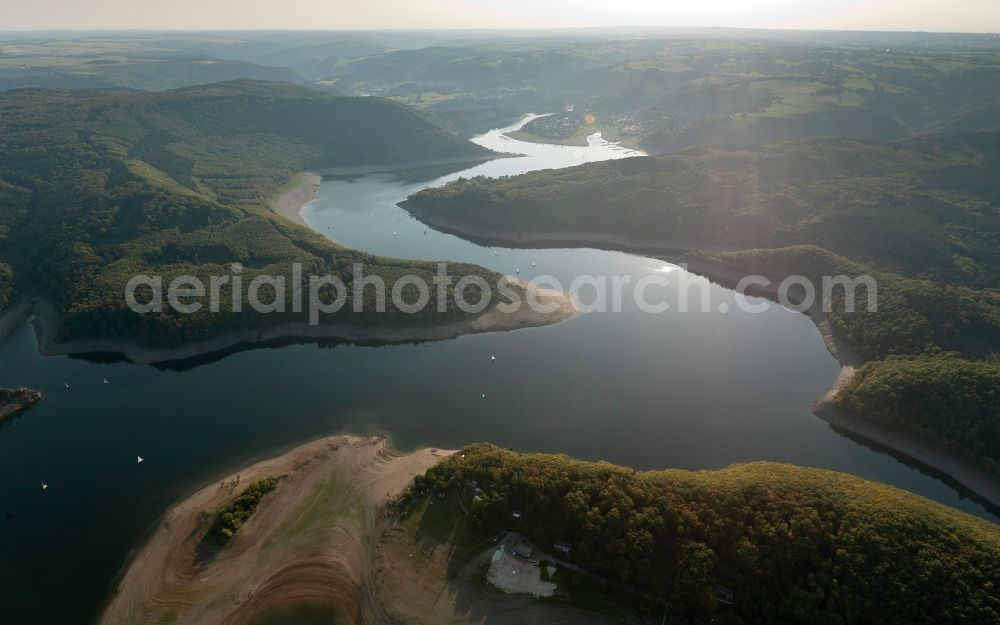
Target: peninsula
{"points": [[183, 182], [355, 532], [14, 401]]}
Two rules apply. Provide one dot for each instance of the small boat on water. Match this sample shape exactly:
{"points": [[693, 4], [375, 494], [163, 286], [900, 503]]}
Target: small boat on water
{"points": [[45, 486], [139, 459]]}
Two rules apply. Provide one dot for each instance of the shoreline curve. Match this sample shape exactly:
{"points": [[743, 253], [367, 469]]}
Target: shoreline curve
{"points": [[937, 458], [46, 323]]}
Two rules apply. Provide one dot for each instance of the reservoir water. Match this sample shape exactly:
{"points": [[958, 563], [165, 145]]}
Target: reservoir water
{"points": [[695, 390]]}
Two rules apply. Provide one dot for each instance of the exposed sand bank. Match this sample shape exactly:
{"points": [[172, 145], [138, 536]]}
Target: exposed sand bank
{"points": [[300, 192], [302, 188], [309, 540], [47, 321]]}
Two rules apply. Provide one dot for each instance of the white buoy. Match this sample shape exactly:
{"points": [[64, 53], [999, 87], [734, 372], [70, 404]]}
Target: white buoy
{"points": [[518, 270], [484, 395], [106, 381], [45, 486], [138, 459], [393, 233], [496, 253], [532, 264]]}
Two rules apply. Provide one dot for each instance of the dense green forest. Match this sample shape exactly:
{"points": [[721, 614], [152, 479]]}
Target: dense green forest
{"points": [[665, 94], [660, 89], [232, 516], [123, 71], [921, 216], [945, 398], [148, 61], [100, 186], [795, 544], [915, 316], [925, 207]]}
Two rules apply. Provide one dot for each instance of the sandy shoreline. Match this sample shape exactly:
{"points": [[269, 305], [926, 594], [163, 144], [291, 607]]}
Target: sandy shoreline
{"points": [[46, 323], [921, 452], [303, 187], [301, 191], [309, 540]]}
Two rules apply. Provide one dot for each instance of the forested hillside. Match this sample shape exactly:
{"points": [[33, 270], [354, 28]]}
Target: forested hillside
{"points": [[920, 215], [794, 544], [926, 207], [97, 187], [945, 398], [126, 71], [668, 93]]}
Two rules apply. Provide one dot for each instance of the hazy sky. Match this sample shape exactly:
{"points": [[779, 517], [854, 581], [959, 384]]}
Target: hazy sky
{"points": [[933, 15]]}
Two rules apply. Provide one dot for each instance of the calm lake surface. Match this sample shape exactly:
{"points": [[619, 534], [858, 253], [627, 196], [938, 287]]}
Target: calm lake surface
{"points": [[690, 390]]}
